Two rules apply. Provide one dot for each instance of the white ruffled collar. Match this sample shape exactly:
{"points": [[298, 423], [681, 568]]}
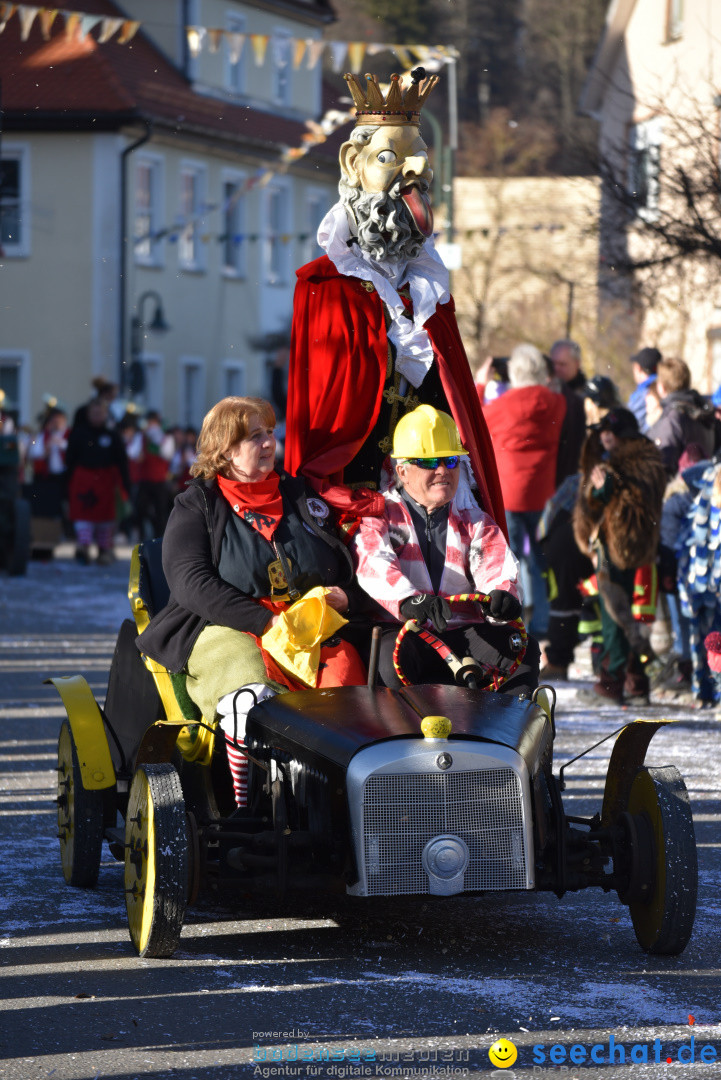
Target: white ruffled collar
{"points": [[426, 277]]}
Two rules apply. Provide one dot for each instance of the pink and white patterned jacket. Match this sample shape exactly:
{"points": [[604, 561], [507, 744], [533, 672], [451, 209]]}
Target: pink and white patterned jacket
{"points": [[390, 565]]}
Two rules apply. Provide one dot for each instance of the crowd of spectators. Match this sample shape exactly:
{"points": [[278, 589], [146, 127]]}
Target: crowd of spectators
{"points": [[613, 512], [108, 470]]}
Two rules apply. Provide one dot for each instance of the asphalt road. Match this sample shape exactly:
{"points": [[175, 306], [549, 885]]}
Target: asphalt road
{"points": [[403, 989]]}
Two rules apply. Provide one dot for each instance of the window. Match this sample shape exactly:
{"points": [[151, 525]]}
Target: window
{"points": [[235, 72], [15, 201], [148, 210], [674, 20], [277, 242], [235, 244], [15, 381], [192, 392], [281, 53], [192, 206], [315, 210], [644, 167], [233, 379]]}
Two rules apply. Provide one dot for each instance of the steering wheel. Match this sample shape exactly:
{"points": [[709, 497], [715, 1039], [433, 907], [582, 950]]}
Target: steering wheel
{"points": [[465, 671]]}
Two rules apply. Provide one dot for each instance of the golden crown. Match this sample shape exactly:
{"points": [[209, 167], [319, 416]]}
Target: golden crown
{"points": [[402, 105]]}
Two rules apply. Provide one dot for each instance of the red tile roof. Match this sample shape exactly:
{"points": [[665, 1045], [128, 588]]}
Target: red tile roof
{"points": [[73, 83]]}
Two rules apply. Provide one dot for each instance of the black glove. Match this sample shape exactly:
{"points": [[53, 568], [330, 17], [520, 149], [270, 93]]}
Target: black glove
{"points": [[427, 608], [502, 606]]}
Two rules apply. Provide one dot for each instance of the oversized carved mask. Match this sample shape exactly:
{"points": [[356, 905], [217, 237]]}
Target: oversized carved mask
{"points": [[385, 171]]}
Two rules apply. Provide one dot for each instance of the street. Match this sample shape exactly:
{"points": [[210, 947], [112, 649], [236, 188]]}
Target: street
{"points": [[330, 988]]}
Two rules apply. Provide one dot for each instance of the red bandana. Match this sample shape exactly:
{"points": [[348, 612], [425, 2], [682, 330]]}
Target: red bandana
{"points": [[260, 504]]}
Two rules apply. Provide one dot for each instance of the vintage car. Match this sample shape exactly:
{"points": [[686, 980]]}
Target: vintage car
{"points": [[437, 790]]}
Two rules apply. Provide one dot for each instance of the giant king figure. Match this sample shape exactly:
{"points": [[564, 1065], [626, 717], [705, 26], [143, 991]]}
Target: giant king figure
{"points": [[374, 330]]}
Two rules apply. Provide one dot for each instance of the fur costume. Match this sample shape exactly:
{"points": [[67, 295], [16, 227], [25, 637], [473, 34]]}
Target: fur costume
{"points": [[628, 523]]}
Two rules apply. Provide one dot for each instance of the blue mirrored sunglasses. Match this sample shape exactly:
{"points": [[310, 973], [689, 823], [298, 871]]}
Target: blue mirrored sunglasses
{"points": [[434, 462]]}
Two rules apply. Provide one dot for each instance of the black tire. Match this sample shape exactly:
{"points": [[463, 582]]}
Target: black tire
{"points": [[20, 552], [80, 817], [156, 860], [663, 922]]}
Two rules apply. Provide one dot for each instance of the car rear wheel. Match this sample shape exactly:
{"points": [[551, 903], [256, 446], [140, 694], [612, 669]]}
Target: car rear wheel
{"points": [[156, 860], [658, 804], [80, 817]]}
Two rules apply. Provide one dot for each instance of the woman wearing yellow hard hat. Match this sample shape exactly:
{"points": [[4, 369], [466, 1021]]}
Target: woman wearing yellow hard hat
{"points": [[425, 548]]}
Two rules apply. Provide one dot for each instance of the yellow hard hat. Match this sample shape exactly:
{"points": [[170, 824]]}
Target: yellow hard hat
{"points": [[426, 432]]}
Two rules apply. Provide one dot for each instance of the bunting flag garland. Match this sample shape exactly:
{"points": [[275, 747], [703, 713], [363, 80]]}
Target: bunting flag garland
{"points": [[77, 23], [318, 132], [284, 50]]}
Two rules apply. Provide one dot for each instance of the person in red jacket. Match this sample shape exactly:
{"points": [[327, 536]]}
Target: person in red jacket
{"points": [[525, 427], [374, 333]]}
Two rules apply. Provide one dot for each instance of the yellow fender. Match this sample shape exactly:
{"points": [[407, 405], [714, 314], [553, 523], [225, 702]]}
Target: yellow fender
{"points": [[86, 724], [627, 757], [140, 612]]}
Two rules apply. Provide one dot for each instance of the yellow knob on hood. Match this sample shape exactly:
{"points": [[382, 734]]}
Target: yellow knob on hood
{"points": [[435, 727]]}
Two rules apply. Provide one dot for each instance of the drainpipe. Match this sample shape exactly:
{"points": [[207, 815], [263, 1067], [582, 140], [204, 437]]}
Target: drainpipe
{"points": [[185, 51], [122, 300]]}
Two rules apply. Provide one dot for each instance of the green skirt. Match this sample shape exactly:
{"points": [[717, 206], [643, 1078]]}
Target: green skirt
{"points": [[223, 660]]}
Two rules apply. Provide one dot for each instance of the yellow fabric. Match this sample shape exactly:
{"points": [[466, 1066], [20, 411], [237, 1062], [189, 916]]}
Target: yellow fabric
{"points": [[294, 642]]}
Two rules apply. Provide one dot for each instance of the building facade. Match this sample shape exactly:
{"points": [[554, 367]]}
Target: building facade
{"points": [[655, 89], [151, 222]]}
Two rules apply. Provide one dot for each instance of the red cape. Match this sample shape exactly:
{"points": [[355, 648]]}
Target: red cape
{"points": [[339, 356]]}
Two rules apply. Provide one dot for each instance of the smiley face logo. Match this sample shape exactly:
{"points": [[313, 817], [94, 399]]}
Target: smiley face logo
{"points": [[502, 1054]]}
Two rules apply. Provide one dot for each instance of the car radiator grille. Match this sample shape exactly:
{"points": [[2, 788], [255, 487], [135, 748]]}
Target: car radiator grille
{"points": [[401, 813]]}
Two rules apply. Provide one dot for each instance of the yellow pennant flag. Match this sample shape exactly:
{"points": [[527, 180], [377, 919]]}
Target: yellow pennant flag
{"points": [[130, 29], [299, 47], [260, 44], [72, 22], [403, 55], [195, 36], [47, 18], [356, 54]]}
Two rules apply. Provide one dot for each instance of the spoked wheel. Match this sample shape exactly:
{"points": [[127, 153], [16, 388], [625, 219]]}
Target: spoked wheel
{"points": [[80, 817], [662, 899], [156, 860]]}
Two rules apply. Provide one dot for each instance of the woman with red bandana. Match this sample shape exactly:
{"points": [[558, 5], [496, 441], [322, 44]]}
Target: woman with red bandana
{"points": [[242, 543]]}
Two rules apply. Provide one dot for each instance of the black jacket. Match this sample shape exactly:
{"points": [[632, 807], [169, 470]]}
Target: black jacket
{"points": [[573, 429], [198, 595], [687, 417]]}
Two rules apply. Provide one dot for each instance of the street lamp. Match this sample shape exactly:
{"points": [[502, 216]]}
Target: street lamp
{"points": [[136, 374]]}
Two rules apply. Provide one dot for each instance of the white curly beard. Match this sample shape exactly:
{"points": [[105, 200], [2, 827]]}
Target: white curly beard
{"points": [[386, 230]]}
